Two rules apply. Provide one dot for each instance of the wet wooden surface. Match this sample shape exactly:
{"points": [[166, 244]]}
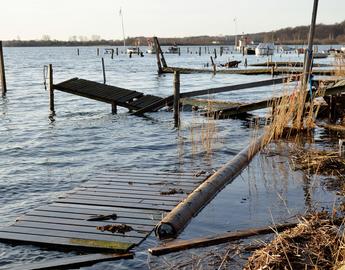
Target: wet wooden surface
{"points": [[136, 199]]}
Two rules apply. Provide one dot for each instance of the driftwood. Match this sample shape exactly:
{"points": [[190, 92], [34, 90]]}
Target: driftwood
{"points": [[175, 246]]}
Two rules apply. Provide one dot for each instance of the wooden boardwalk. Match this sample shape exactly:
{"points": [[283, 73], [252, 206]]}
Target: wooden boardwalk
{"points": [[116, 96], [136, 200]]}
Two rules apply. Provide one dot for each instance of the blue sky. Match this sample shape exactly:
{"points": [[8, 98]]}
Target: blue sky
{"points": [[30, 19]]}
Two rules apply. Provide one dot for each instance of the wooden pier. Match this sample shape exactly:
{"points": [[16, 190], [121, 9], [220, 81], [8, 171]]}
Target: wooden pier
{"points": [[113, 95], [130, 204]]}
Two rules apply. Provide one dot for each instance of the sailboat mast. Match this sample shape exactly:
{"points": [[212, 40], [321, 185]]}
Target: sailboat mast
{"points": [[123, 30]]}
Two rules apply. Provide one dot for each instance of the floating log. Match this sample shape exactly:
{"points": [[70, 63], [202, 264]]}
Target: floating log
{"points": [[72, 262], [179, 245], [178, 218]]}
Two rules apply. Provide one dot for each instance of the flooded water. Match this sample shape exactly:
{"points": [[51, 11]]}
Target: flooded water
{"points": [[41, 159]]}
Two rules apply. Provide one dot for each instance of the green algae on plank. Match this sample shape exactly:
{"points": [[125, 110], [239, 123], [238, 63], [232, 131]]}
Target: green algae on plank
{"points": [[102, 244]]}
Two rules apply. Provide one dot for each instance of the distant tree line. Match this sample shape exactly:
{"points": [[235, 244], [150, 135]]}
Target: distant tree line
{"points": [[325, 34]]}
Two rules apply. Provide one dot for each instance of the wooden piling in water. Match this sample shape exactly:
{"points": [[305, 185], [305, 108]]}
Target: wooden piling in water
{"points": [[112, 53], [51, 90], [215, 53], [103, 69], [199, 51], [97, 51], [113, 108], [214, 66], [78, 53], [117, 51], [2, 71], [176, 99]]}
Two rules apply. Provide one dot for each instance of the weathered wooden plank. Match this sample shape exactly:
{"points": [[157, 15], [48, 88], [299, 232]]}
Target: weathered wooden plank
{"points": [[178, 245], [138, 182], [156, 173], [121, 213], [122, 200], [64, 243], [161, 177], [157, 197], [73, 228], [74, 235], [136, 194], [66, 221], [119, 204], [234, 87], [107, 185], [86, 217], [155, 106], [106, 208], [70, 262]]}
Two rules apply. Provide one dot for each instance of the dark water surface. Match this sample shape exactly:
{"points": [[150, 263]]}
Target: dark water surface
{"points": [[41, 159]]}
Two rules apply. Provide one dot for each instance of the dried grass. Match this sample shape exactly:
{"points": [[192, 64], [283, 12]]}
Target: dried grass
{"points": [[316, 243]]}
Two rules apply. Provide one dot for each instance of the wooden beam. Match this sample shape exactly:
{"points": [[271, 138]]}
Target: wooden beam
{"points": [[51, 90], [234, 87], [155, 106], [71, 262], [176, 99], [179, 245], [2, 71]]}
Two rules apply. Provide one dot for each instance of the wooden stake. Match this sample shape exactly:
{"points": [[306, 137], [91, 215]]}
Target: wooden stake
{"points": [[112, 53], [51, 90], [97, 51], [215, 53], [78, 52], [117, 51], [103, 69], [113, 108], [176, 99], [159, 64], [214, 66], [2, 71], [199, 51]]}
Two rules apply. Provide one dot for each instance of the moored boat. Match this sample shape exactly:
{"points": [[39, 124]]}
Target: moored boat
{"points": [[264, 49]]}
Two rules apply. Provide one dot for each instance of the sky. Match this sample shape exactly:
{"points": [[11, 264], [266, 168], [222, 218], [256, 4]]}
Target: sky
{"points": [[61, 19]]}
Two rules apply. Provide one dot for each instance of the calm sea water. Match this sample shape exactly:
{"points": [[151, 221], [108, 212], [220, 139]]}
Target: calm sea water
{"points": [[41, 159]]}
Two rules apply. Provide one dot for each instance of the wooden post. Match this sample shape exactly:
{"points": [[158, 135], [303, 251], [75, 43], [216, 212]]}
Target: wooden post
{"points": [[176, 99], [51, 90], [103, 69], [117, 51], [112, 53], [199, 51], [78, 52], [97, 51], [179, 51], [2, 71], [159, 64], [187, 50], [214, 66], [113, 108], [221, 51], [307, 63], [215, 53]]}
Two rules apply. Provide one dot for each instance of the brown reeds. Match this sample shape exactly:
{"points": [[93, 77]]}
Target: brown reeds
{"points": [[316, 243]]}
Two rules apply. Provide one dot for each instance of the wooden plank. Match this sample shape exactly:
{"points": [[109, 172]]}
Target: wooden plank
{"points": [[153, 173], [155, 106], [64, 243], [122, 200], [85, 217], [74, 235], [86, 211], [216, 239], [129, 194], [117, 204], [156, 177], [234, 87], [74, 228], [119, 194], [119, 186], [108, 208], [70, 262], [66, 221]]}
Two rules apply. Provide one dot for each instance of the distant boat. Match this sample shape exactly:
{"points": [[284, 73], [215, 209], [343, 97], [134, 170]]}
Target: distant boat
{"points": [[343, 49], [264, 49], [318, 55], [133, 50], [249, 50], [173, 49]]}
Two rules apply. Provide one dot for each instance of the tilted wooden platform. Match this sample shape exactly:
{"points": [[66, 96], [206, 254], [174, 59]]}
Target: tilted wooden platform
{"points": [[138, 199], [132, 100]]}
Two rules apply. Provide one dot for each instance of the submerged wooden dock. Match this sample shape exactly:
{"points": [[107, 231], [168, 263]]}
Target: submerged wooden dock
{"points": [[113, 212], [113, 95]]}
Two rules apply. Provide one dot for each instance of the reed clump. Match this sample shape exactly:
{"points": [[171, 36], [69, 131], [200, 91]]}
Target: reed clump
{"points": [[315, 243], [318, 162]]}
